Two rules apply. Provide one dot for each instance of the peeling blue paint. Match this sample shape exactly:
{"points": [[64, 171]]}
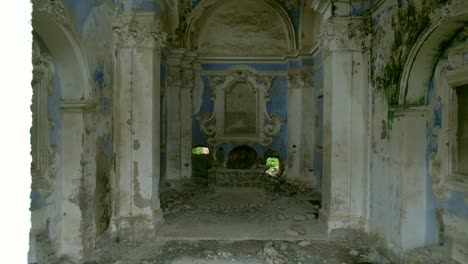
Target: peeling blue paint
{"points": [[295, 64], [357, 9], [104, 93], [99, 77], [37, 200], [318, 78], [277, 105]]}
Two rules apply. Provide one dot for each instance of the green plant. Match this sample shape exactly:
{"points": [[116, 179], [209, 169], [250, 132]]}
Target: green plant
{"points": [[200, 151], [272, 162]]}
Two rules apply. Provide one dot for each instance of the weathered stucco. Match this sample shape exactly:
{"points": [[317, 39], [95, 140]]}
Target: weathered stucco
{"points": [[392, 103], [353, 97], [246, 27]]}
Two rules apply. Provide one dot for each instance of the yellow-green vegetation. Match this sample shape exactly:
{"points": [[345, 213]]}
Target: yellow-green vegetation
{"points": [[272, 163], [200, 151]]}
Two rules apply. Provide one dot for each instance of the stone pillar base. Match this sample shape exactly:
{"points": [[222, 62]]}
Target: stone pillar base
{"points": [[135, 228], [335, 223]]}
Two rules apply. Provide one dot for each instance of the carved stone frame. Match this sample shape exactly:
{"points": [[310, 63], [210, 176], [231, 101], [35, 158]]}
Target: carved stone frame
{"points": [[43, 155], [446, 178], [212, 124]]}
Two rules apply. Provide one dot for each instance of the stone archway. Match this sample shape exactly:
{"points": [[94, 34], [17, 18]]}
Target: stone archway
{"points": [[66, 214], [419, 67], [424, 108]]}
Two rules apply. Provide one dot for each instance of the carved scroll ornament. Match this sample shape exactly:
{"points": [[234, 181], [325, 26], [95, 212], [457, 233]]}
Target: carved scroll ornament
{"points": [[217, 125]]}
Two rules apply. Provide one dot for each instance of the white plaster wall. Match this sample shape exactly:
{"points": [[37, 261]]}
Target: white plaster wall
{"points": [[306, 157], [293, 170], [400, 197], [345, 141]]}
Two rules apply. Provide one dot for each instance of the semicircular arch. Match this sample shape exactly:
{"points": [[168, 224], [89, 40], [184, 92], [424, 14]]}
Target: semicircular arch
{"points": [[419, 66], [240, 27], [56, 31]]}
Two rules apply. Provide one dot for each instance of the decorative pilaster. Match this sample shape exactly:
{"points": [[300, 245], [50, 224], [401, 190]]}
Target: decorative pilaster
{"points": [[409, 125], [296, 82], [186, 115], [174, 83], [44, 156], [345, 164], [138, 41]]}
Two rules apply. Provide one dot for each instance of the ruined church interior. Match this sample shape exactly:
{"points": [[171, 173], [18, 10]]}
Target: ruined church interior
{"points": [[249, 131]]}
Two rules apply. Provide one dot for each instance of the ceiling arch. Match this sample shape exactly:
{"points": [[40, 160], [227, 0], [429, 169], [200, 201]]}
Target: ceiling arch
{"points": [[240, 28]]}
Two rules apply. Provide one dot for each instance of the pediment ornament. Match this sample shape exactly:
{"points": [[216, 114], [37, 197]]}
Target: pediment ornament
{"points": [[240, 117]]}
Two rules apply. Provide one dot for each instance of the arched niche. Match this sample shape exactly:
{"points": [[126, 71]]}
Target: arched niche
{"points": [[242, 158], [419, 67], [240, 28]]}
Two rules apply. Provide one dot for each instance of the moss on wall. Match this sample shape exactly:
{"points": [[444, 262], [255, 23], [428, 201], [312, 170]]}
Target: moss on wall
{"points": [[410, 20]]}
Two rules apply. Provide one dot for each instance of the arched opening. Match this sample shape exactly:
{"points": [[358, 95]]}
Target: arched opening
{"points": [[242, 158], [202, 161], [66, 158]]}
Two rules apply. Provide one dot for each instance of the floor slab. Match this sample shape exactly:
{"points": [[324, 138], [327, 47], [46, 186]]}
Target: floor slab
{"points": [[241, 214]]}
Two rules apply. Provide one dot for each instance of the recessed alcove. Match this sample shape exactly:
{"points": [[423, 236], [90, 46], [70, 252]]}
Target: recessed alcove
{"points": [[242, 158]]}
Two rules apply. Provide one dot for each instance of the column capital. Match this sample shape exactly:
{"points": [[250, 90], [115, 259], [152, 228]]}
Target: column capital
{"points": [[188, 72], [345, 33], [138, 29], [174, 76], [298, 79], [188, 78]]}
